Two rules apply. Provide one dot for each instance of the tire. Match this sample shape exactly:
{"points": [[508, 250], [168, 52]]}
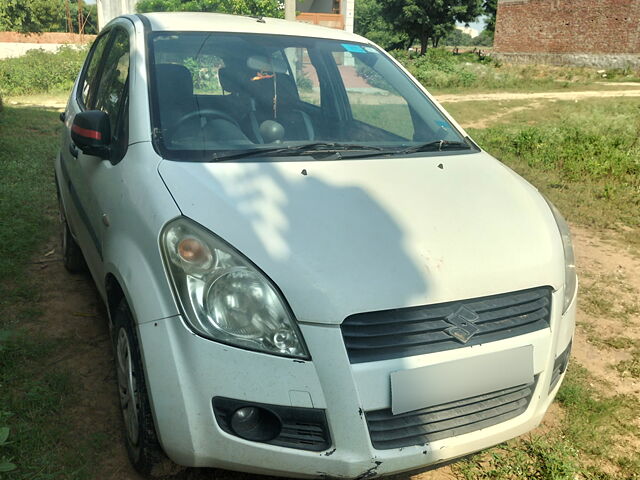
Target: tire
{"points": [[143, 448], [72, 257]]}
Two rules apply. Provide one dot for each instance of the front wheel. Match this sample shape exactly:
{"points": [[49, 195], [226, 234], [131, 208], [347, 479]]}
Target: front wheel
{"points": [[143, 447]]}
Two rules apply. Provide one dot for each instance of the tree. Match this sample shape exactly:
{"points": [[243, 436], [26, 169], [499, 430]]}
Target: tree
{"points": [[485, 39], [490, 8], [29, 16], [267, 8], [368, 22], [35, 16], [457, 38], [426, 20]]}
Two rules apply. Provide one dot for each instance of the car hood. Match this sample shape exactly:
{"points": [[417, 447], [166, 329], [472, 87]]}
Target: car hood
{"points": [[351, 236]]}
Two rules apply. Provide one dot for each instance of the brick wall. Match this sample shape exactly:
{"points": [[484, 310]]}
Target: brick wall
{"points": [[568, 26]]}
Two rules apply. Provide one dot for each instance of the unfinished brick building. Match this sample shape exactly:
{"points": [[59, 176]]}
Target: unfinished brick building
{"points": [[603, 33]]}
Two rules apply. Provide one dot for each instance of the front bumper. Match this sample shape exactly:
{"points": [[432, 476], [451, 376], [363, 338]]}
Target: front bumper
{"points": [[185, 372]]}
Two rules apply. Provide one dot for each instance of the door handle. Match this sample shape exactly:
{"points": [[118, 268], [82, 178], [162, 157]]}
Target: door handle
{"points": [[73, 150]]}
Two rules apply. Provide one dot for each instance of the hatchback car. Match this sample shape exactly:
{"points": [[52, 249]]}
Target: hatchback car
{"points": [[310, 269]]}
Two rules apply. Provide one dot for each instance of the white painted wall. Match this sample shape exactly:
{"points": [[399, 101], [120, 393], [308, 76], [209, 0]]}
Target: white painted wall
{"points": [[348, 7], [109, 9], [16, 49]]}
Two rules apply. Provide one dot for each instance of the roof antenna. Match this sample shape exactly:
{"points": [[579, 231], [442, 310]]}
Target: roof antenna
{"points": [[258, 18]]}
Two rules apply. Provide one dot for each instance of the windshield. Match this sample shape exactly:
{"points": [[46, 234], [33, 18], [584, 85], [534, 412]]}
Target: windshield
{"points": [[225, 93]]}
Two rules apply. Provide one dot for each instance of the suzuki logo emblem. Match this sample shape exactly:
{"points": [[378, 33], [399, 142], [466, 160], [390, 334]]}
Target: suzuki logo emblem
{"points": [[463, 325]]}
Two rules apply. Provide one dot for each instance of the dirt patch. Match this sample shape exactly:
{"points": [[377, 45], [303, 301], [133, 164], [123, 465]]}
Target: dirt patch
{"points": [[492, 119], [452, 98], [610, 272]]}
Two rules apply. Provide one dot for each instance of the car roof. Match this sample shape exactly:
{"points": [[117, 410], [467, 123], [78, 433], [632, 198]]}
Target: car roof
{"points": [[219, 22]]}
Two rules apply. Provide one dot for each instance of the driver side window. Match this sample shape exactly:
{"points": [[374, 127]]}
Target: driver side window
{"points": [[112, 90]]}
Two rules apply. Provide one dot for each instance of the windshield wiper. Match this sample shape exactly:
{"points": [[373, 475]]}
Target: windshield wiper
{"points": [[305, 149], [437, 146]]}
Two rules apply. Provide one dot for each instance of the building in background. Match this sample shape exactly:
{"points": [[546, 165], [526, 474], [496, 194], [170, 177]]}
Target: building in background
{"points": [[329, 13], [598, 33]]}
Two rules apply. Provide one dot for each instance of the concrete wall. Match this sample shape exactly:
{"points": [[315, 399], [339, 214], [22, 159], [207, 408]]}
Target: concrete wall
{"points": [[109, 9], [602, 60], [568, 27]]}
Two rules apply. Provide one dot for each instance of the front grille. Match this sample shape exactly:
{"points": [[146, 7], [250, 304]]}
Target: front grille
{"points": [[434, 328], [447, 420]]}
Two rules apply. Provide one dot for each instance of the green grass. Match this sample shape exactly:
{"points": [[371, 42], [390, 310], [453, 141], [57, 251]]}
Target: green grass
{"points": [[394, 118], [28, 142], [584, 156], [36, 396], [587, 443]]}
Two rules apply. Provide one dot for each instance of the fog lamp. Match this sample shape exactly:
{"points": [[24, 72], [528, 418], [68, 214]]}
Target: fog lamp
{"points": [[255, 424]]}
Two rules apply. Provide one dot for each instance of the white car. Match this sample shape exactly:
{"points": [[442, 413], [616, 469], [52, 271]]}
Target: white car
{"points": [[310, 269]]}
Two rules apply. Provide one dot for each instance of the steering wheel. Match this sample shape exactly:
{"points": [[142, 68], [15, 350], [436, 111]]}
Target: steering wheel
{"points": [[205, 112]]}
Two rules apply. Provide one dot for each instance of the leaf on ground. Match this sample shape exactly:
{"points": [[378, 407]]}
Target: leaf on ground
{"points": [[7, 466]]}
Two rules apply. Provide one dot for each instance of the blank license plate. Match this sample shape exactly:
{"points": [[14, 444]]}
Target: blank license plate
{"points": [[459, 379]]}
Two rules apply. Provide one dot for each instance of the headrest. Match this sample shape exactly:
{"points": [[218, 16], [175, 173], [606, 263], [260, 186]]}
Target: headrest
{"points": [[174, 80], [233, 80], [262, 89]]}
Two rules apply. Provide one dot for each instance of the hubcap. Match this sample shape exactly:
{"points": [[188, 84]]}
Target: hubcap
{"points": [[127, 387]]}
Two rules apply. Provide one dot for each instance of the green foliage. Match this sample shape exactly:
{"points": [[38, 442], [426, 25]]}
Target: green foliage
{"points": [[490, 8], [370, 23], [426, 20], [485, 39], [31, 15], [440, 68], [267, 8], [457, 38], [303, 82], [34, 16], [204, 71], [577, 152], [38, 71]]}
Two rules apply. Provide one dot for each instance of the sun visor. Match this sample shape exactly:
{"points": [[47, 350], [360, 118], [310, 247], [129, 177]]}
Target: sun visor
{"points": [[263, 64]]}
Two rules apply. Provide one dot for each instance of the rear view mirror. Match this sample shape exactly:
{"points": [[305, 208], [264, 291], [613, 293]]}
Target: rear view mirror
{"points": [[91, 132]]}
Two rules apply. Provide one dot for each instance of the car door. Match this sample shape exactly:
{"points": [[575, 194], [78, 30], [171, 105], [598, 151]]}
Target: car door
{"points": [[71, 159], [94, 177]]}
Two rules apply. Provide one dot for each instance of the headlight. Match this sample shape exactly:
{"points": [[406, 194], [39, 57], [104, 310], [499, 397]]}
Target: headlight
{"points": [[223, 296], [570, 278]]}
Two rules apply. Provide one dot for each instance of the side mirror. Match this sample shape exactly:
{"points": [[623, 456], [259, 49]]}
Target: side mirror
{"points": [[91, 132]]}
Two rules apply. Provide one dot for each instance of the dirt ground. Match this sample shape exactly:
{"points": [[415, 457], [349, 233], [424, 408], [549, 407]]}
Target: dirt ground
{"points": [[73, 310]]}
